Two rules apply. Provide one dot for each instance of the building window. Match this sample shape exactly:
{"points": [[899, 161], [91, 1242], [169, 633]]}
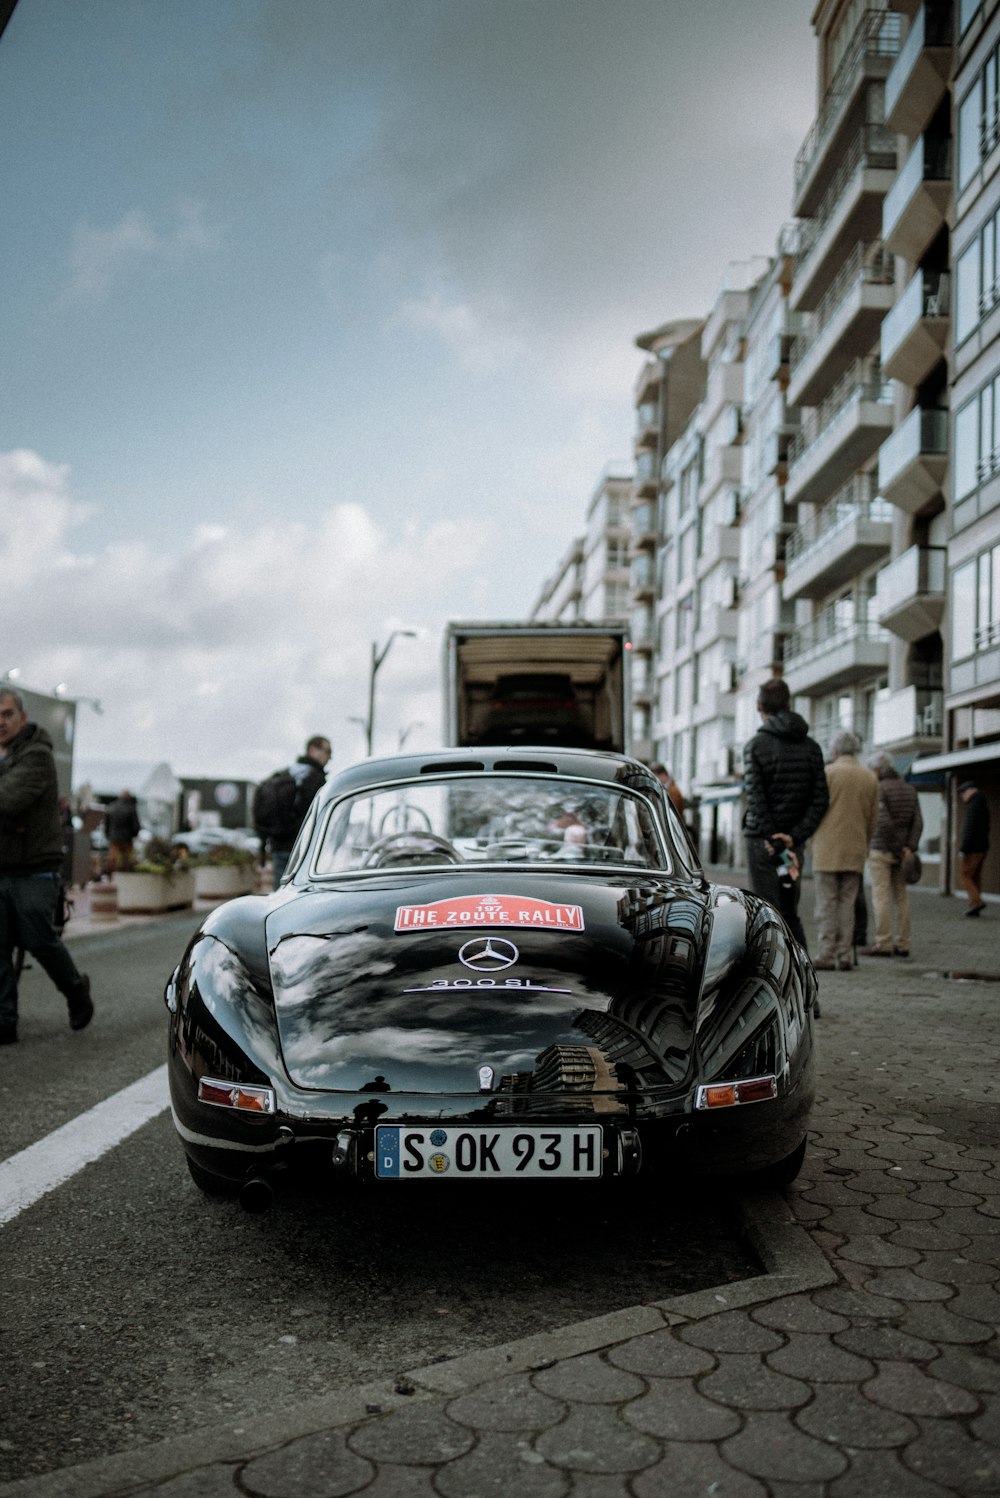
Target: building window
{"points": [[967, 12], [977, 440], [977, 628], [979, 121], [977, 280]]}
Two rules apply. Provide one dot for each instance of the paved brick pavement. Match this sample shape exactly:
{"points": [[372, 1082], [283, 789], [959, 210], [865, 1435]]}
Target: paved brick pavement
{"points": [[864, 1362]]}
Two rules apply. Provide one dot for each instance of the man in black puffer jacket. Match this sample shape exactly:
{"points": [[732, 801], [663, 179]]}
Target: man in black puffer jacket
{"points": [[787, 796], [31, 855]]}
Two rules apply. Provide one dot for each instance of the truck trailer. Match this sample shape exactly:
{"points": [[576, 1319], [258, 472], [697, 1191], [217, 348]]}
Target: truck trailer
{"points": [[537, 683]]}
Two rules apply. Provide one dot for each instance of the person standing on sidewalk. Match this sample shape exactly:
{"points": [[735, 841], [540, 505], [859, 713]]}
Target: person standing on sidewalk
{"points": [[787, 796], [839, 846], [281, 802], [31, 855], [121, 823], [973, 844], [900, 824]]}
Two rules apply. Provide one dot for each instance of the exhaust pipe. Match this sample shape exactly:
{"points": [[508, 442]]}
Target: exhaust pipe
{"points": [[256, 1194]]}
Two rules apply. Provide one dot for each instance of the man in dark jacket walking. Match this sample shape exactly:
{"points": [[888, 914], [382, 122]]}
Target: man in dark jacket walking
{"points": [[31, 855], [787, 796], [973, 844]]}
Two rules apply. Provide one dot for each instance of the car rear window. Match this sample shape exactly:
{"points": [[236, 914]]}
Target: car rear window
{"points": [[517, 820]]}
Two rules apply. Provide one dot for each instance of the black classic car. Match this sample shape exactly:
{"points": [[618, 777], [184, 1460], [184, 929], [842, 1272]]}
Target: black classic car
{"points": [[504, 964]]}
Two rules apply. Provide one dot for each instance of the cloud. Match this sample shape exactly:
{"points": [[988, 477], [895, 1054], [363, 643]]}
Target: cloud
{"points": [[479, 345], [225, 653], [99, 256]]}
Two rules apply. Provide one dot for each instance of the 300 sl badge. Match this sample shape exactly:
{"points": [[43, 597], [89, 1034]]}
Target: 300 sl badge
{"points": [[491, 910]]}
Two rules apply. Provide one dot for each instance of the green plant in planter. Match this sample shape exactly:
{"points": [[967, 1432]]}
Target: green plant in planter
{"points": [[159, 857], [224, 856]]}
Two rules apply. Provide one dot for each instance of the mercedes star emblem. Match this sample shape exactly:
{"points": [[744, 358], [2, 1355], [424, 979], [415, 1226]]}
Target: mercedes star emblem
{"points": [[488, 954]]}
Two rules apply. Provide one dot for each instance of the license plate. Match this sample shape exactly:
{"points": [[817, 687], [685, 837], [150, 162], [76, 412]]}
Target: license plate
{"points": [[405, 1154]]}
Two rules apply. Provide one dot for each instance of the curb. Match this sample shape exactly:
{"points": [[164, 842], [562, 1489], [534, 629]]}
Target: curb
{"points": [[793, 1265]]}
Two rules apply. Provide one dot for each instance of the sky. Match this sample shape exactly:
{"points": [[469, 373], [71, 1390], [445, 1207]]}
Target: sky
{"points": [[318, 322]]}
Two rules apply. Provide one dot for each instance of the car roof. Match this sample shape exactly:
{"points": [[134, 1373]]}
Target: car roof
{"points": [[495, 759]]}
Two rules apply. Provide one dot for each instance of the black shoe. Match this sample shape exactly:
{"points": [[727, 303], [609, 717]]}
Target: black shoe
{"points": [[976, 909], [8, 1035], [81, 1008]]}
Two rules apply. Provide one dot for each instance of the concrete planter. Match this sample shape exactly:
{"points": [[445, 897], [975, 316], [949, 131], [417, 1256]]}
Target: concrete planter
{"points": [[222, 881], [151, 894]]}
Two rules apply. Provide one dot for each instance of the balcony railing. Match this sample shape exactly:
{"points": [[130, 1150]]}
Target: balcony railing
{"points": [[827, 633], [911, 713], [923, 433], [932, 26], [919, 570], [857, 500], [866, 265], [928, 161], [874, 146], [848, 392], [877, 35]]}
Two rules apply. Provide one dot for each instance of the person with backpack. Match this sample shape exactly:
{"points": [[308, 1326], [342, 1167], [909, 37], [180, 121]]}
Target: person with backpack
{"points": [[282, 800]]}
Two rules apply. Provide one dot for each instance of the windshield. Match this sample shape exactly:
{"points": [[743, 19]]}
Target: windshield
{"points": [[489, 819]]}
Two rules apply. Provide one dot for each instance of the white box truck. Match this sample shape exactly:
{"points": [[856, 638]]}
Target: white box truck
{"points": [[537, 683]]}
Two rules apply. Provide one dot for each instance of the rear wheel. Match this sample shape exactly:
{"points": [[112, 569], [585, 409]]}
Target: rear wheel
{"points": [[211, 1184]]}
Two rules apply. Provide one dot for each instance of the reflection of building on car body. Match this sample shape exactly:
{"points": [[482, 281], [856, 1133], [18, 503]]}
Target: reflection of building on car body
{"points": [[445, 981]]}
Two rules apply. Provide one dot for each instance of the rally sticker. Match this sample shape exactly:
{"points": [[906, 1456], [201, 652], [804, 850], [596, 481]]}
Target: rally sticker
{"points": [[490, 910]]}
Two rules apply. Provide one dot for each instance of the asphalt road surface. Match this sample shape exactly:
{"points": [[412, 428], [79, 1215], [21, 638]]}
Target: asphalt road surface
{"points": [[133, 1308]]}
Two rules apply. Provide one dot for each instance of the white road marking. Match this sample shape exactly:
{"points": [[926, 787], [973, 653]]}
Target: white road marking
{"points": [[43, 1166]]}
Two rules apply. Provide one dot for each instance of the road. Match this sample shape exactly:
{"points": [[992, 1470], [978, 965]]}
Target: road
{"points": [[133, 1308]]}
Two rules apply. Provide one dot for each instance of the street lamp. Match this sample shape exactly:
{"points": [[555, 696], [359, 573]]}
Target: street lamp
{"points": [[378, 656]]}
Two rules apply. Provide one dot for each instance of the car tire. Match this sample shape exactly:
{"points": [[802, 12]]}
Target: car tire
{"points": [[211, 1184], [776, 1177]]}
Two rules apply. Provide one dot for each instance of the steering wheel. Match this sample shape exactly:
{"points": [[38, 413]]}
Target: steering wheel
{"points": [[405, 811], [415, 838]]}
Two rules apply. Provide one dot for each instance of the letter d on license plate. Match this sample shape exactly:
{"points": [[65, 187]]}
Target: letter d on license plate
{"points": [[486, 1154]]}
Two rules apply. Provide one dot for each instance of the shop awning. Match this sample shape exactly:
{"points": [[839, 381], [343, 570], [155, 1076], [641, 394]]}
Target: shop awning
{"points": [[929, 763]]}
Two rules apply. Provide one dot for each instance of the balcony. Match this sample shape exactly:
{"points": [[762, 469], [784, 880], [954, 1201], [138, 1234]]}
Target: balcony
{"points": [[716, 623], [915, 207], [905, 717], [715, 701], [845, 323], [869, 56], [850, 211], [838, 439], [647, 425], [913, 460], [910, 592], [723, 465], [915, 331], [643, 577], [779, 357], [643, 632], [645, 473], [828, 654], [848, 534], [919, 76], [646, 390], [644, 526]]}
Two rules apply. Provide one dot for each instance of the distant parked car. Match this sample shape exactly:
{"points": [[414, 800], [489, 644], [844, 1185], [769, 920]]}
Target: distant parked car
{"points": [[203, 839]]}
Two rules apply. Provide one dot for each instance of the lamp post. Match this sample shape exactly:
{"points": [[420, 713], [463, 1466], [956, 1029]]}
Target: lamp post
{"points": [[378, 656]]}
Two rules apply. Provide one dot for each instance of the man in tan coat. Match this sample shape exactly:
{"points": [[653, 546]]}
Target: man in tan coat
{"points": [[839, 847]]}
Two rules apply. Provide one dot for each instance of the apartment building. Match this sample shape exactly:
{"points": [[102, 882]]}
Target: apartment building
{"points": [[836, 656], [669, 385], [963, 47], [592, 579]]}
